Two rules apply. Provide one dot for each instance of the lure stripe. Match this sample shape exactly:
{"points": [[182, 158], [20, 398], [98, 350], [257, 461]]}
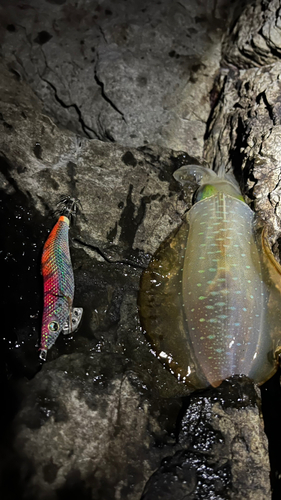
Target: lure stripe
{"points": [[58, 282]]}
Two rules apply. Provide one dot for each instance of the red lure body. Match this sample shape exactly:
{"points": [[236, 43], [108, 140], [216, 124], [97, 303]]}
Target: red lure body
{"points": [[58, 285]]}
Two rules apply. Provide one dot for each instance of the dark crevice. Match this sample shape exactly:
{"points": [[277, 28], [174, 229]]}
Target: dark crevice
{"points": [[94, 248], [103, 34], [237, 154], [215, 98], [106, 98], [275, 52], [103, 131], [126, 262], [251, 61], [85, 127], [262, 96], [271, 409], [108, 136], [277, 16]]}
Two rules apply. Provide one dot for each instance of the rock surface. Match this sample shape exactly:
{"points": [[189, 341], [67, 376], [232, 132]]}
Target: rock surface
{"points": [[133, 72], [102, 413], [88, 414], [244, 133], [78, 430], [224, 451], [81, 433], [258, 42]]}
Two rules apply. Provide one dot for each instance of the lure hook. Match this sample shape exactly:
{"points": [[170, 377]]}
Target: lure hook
{"points": [[68, 206]]}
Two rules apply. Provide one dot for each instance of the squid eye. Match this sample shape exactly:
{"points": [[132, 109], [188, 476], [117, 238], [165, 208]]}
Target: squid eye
{"points": [[53, 326], [204, 191]]}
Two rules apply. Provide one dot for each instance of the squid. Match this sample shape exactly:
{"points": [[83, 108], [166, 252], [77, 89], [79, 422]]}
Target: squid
{"points": [[210, 299]]}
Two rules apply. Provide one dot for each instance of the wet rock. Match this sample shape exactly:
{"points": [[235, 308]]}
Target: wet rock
{"points": [[87, 427], [225, 453], [102, 413]]}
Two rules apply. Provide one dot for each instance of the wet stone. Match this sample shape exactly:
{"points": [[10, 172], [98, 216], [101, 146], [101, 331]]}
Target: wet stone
{"points": [[188, 476], [93, 447], [219, 437], [102, 419]]}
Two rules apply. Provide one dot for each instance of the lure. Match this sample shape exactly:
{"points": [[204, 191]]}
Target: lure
{"points": [[210, 298], [58, 315]]}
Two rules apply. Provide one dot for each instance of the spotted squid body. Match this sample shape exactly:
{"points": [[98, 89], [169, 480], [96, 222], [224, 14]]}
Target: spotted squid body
{"points": [[210, 299]]}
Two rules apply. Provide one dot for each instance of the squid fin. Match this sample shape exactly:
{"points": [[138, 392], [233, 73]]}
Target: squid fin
{"points": [[161, 308]]}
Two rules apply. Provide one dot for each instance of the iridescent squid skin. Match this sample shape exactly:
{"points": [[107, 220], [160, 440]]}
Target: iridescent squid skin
{"points": [[58, 279], [210, 300]]}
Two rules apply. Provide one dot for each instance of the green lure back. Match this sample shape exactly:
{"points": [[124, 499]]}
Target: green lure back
{"points": [[210, 298]]}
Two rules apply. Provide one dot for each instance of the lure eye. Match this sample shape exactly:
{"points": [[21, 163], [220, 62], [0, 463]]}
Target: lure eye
{"points": [[53, 326], [204, 191]]}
